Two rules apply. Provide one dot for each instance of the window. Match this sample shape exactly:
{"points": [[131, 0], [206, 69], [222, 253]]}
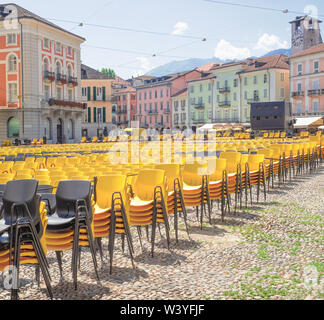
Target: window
{"points": [[316, 66], [235, 83], [58, 68], [245, 95], [299, 87], [255, 80], [299, 69], [192, 89], [12, 93], [161, 105], [234, 96], [69, 51], [70, 94], [282, 76], [217, 85], [145, 95], [209, 86], [265, 93], [47, 92], [150, 94], [13, 128], [209, 99], [155, 94], [265, 78], [46, 44], [315, 105], [299, 107], [140, 96], [161, 93], [46, 65], [201, 88], [69, 71], [282, 92], [12, 63], [218, 98], [59, 93], [315, 84], [11, 39], [58, 47], [245, 81]]}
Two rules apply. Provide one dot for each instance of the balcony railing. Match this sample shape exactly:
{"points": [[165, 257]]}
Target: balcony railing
{"points": [[61, 78], [73, 81], [315, 92], [199, 106], [225, 90], [224, 104], [153, 112], [253, 100], [65, 103], [49, 76], [166, 111], [298, 94]]}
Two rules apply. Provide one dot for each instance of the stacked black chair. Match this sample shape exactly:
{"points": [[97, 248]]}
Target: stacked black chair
{"points": [[73, 212], [46, 193], [22, 225]]}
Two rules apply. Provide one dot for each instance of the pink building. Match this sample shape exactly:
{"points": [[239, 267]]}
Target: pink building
{"points": [[307, 81], [154, 107]]}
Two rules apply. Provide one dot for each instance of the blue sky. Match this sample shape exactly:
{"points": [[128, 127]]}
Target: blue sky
{"points": [[231, 32]]}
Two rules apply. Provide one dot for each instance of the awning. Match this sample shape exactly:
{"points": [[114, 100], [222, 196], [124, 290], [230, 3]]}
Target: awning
{"points": [[306, 122], [321, 128]]}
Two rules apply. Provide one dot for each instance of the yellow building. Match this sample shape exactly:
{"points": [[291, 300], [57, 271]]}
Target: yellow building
{"points": [[97, 98]]}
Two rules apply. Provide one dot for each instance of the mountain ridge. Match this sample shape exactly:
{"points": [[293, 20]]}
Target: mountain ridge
{"points": [[193, 63]]}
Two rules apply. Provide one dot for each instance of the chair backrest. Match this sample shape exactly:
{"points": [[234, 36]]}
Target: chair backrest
{"points": [[19, 192], [193, 173], [45, 188], [146, 182], [68, 193], [172, 171]]}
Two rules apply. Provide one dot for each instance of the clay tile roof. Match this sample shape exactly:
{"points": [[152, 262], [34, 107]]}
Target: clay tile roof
{"points": [[315, 49], [24, 13], [279, 61]]}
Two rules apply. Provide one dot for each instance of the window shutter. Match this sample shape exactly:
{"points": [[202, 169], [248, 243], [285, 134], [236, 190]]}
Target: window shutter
{"points": [[95, 115], [89, 115], [104, 115], [104, 93], [94, 93], [89, 93]]}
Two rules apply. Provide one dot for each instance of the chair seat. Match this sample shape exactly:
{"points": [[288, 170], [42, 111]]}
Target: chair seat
{"points": [[99, 210], [137, 202], [57, 224]]}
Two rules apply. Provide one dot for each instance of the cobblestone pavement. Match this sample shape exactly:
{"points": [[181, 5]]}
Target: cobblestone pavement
{"points": [[272, 250]]}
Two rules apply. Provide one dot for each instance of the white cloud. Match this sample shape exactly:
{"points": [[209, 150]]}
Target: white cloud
{"points": [[268, 42], [180, 28], [226, 51], [145, 65]]}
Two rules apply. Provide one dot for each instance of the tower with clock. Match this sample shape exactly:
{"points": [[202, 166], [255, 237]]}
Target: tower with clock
{"points": [[306, 33]]}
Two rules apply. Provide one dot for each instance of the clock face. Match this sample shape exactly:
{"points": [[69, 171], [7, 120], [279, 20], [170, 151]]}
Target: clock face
{"points": [[297, 38]]}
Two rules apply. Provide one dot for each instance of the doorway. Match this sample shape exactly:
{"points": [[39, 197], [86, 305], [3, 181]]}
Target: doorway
{"points": [[60, 131]]}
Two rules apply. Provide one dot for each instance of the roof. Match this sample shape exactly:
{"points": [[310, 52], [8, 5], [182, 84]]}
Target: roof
{"points": [[182, 92], [312, 50], [300, 18], [228, 64], [23, 13], [207, 67], [205, 76], [305, 122], [125, 90], [279, 61], [88, 73]]}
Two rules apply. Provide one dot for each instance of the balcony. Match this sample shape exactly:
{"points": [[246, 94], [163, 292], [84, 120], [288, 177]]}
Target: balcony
{"points": [[121, 111], [296, 94], [61, 78], [49, 76], [198, 121], [253, 100], [150, 112], [65, 103], [224, 104], [315, 92], [225, 90], [199, 106], [160, 124], [73, 81], [167, 111]]}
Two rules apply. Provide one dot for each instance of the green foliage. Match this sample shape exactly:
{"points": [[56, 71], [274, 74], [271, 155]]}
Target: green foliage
{"points": [[110, 72]]}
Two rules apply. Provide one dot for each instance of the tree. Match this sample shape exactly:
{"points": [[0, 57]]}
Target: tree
{"points": [[110, 72]]}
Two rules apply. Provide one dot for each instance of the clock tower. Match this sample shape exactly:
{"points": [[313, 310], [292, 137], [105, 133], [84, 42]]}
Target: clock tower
{"points": [[306, 33]]}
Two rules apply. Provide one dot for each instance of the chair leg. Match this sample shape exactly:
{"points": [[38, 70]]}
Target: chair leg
{"points": [[130, 249], [139, 232], [99, 246], [111, 245], [184, 211], [59, 261], [37, 275], [153, 231], [123, 242], [75, 253]]}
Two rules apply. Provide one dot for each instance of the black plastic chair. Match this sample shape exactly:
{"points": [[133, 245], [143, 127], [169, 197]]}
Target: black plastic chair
{"points": [[73, 212], [46, 193], [22, 225]]}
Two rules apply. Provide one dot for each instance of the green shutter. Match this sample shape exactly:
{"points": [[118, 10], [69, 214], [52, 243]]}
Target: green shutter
{"points": [[89, 115], [95, 115], [89, 93], [94, 93], [104, 115], [104, 93]]}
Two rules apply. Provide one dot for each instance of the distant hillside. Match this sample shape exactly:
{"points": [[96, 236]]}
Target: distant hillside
{"points": [[189, 64]]}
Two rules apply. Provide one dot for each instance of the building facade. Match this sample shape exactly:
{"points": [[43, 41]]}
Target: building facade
{"points": [[97, 98], [200, 100], [180, 110], [40, 72], [154, 99], [124, 107], [307, 81]]}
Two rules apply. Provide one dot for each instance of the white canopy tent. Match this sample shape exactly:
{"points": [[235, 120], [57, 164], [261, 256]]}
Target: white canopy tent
{"points": [[305, 122]]}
